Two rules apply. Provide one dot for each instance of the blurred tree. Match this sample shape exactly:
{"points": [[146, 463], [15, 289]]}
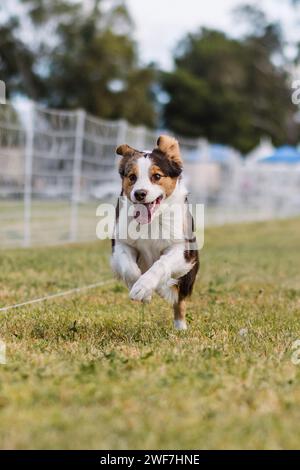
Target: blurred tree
{"points": [[83, 55], [231, 91], [16, 63]]}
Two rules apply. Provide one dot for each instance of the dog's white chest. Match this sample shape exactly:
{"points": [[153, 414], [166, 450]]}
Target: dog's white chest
{"points": [[149, 251]]}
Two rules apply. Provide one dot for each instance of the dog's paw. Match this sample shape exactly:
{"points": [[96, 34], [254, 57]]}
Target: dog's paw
{"points": [[180, 325], [141, 291], [148, 299]]}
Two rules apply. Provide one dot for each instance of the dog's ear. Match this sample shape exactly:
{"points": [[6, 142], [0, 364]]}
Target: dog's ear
{"points": [[125, 150], [170, 147]]}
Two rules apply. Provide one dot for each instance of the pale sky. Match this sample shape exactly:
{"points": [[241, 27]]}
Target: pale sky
{"points": [[160, 23]]}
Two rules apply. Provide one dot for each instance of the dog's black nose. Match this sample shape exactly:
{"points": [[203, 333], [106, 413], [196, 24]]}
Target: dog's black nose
{"points": [[140, 194]]}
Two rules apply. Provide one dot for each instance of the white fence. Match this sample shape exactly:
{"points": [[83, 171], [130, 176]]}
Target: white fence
{"points": [[56, 166]]}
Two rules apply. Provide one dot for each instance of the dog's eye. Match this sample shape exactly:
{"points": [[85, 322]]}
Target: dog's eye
{"points": [[156, 176], [132, 178]]}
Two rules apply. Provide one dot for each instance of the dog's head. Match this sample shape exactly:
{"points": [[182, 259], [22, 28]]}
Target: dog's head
{"points": [[148, 178]]}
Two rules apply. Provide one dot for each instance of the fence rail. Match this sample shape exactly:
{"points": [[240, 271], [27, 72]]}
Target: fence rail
{"points": [[56, 166]]}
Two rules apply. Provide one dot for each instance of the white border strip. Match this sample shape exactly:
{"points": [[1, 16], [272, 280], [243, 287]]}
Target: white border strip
{"points": [[59, 294]]}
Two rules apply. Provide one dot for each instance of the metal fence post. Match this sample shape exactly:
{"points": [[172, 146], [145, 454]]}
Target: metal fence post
{"points": [[29, 148], [76, 183], [203, 149], [121, 137]]}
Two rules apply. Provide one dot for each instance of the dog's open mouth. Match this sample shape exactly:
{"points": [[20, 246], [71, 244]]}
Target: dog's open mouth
{"points": [[144, 212]]}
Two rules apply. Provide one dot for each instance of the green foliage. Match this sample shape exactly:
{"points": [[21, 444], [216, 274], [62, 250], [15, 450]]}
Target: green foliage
{"points": [[17, 62], [100, 55], [81, 51], [230, 90]]}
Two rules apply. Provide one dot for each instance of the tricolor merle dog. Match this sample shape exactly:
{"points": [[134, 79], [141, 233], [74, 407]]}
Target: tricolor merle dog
{"points": [[154, 246]]}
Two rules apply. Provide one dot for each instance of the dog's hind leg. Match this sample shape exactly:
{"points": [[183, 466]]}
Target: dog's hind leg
{"points": [[185, 288], [179, 315]]}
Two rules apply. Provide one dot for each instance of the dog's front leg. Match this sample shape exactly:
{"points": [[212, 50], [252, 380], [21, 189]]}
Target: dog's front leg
{"points": [[169, 264], [123, 263]]}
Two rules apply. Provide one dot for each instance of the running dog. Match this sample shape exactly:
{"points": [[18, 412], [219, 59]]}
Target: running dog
{"points": [[153, 247]]}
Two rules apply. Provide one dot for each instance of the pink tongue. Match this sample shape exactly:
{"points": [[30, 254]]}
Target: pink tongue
{"points": [[143, 213]]}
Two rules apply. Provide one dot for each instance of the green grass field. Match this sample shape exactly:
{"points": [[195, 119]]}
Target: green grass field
{"points": [[95, 371], [50, 222]]}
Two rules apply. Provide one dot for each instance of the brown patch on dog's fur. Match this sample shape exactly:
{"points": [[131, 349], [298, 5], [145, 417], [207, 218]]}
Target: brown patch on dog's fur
{"points": [[128, 166], [167, 157], [126, 151], [130, 169], [186, 283], [130, 156], [179, 310], [166, 182], [167, 166], [170, 147], [191, 255]]}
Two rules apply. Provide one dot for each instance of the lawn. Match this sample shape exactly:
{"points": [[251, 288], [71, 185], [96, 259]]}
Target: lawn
{"points": [[97, 371], [50, 222]]}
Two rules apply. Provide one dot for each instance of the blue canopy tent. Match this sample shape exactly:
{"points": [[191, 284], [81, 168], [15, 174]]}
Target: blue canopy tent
{"points": [[220, 153], [284, 155], [213, 153]]}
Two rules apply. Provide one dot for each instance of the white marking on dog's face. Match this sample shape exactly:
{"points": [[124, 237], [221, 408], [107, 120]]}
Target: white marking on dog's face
{"points": [[144, 182]]}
